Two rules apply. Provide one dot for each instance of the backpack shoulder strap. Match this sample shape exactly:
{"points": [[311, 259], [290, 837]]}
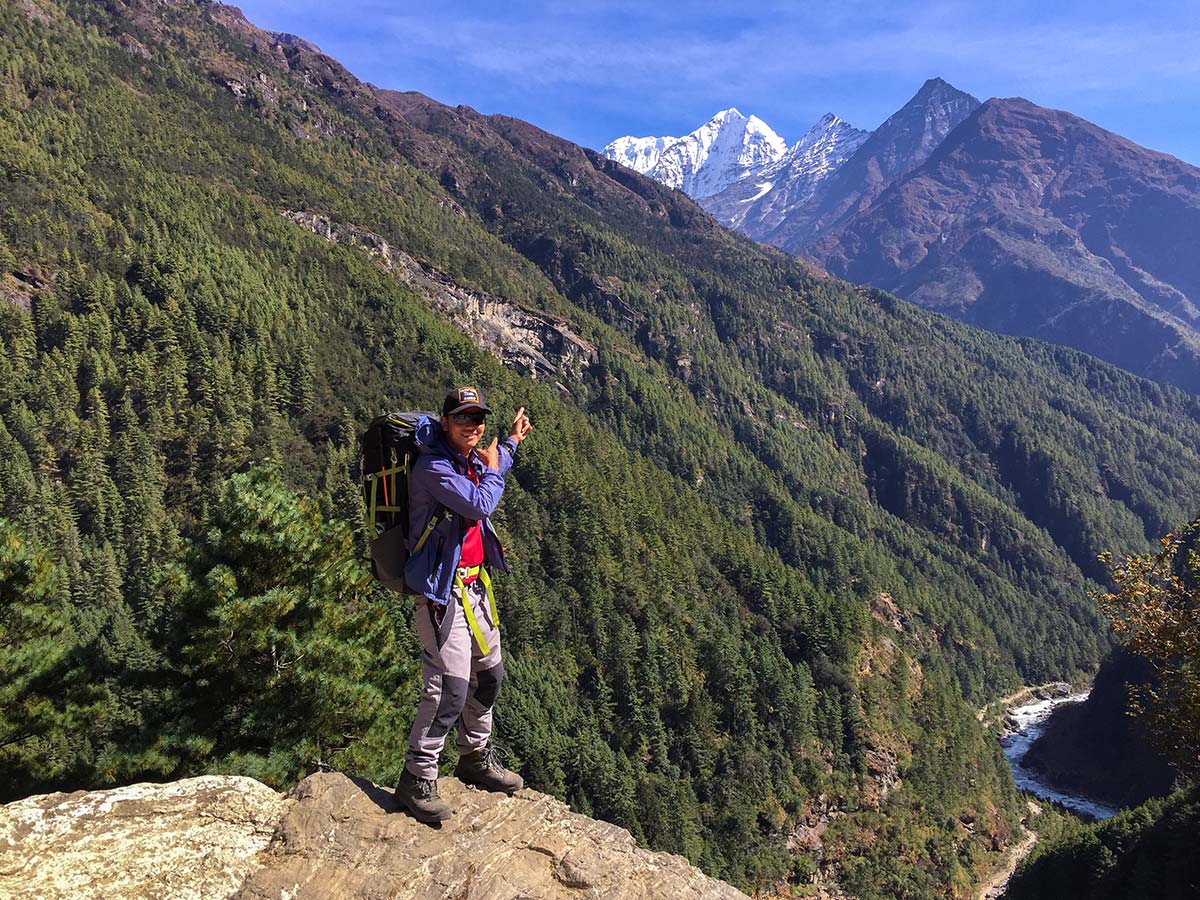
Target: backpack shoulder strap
{"points": [[434, 521]]}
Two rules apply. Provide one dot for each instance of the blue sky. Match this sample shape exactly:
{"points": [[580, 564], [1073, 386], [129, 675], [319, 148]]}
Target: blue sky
{"points": [[592, 70]]}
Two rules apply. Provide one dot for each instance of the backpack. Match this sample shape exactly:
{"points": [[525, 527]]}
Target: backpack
{"points": [[389, 449]]}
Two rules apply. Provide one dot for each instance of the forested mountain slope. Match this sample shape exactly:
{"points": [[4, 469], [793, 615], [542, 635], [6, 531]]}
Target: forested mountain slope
{"points": [[1148, 852], [770, 531]]}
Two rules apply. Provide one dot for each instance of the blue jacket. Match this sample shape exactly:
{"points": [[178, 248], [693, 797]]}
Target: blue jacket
{"points": [[438, 479]]}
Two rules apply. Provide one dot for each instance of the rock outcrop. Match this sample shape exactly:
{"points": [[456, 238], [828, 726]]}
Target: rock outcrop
{"points": [[331, 837], [192, 840], [533, 343]]}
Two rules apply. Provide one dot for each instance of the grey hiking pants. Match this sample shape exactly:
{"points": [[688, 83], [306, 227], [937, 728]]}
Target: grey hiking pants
{"points": [[461, 684]]}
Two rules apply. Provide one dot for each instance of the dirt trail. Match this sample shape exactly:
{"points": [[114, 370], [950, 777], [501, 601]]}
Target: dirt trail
{"points": [[994, 888]]}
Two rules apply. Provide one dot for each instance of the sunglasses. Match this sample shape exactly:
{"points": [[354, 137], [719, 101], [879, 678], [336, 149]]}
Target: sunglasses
{"points": [[468, 418]]}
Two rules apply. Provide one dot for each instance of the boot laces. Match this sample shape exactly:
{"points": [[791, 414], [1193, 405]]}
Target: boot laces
{"points": [[426, 788], [492, 760]]}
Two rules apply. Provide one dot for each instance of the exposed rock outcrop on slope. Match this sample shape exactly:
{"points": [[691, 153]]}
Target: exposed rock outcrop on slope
{"points": [[533, 343], [331, 837], [195, 838]]}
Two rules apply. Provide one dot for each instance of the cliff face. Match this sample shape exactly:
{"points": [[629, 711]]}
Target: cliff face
{"points": [[532, 342], [331, 837]]}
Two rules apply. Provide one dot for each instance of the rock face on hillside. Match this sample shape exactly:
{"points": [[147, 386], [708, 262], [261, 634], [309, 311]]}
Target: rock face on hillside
{"points": [[533, 343], [331, 837]]}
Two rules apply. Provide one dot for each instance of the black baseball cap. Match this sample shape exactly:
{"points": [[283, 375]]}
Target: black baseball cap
{"points": [[464, 398]]}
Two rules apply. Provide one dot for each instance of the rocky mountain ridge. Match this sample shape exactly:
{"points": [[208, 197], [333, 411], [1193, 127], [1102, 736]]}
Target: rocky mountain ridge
{"points": [[894, 149], [1032, 221], [769, 195], [787, 198]]}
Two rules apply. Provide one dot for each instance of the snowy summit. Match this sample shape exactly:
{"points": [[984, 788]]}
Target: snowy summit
{"points": [[725, 149], [739, 169]]}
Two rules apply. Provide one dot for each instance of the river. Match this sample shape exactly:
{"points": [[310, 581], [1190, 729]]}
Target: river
{"points": [[1031, 719]]}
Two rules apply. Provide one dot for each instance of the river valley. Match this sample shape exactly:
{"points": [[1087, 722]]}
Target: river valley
{"points": [[1026, 724]]}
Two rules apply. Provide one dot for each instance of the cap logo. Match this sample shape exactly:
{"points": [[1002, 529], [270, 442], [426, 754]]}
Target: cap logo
{"points": [[468, 395]]}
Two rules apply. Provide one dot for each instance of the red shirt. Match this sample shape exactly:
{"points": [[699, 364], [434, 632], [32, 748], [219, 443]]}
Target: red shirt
{"points": [[472, 545]]}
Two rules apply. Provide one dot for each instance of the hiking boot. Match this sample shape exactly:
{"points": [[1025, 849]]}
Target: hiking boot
{"points": [[420, 797], [482, 769]]}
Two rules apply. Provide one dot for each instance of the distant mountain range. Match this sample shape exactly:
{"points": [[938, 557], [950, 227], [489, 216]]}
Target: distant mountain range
{"points": [[745, 174], [1007, 215]]}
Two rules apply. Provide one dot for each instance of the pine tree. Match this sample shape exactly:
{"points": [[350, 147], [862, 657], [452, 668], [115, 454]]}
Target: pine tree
{"points": [[280, 641], [41, 703]]}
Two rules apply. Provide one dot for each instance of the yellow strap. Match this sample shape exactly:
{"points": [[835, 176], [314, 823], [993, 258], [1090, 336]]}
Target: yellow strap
{"points": [[470, 614], [487, 586], [434, 521], [371, 476]]}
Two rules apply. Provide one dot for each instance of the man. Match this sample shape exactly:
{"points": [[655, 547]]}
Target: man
{"points": [[454, 487]]}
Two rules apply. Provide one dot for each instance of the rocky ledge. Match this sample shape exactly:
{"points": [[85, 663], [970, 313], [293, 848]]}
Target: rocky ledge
{"points": [[331, 837]]}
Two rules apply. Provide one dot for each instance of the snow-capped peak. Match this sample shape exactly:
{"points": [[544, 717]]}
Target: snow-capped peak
{"points": [[638, 153], [823, 148], [724, 149], [767, 195]]}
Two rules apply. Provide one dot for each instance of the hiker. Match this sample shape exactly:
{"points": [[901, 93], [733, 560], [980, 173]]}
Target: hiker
{"points": [[456, 610]]}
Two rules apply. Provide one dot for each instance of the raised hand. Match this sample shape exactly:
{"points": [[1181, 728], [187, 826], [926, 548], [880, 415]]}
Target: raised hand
{"points": [[520, 426], [490, 455]]}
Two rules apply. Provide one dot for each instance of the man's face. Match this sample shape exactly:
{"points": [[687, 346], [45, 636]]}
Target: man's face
{"points": [[464, 430]]}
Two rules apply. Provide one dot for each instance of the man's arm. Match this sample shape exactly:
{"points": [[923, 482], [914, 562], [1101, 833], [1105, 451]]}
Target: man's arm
{"points": [[504, 459], [520, 431], [456, 492]]}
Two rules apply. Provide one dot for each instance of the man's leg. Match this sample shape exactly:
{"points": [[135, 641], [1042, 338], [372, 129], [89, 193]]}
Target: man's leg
{"points": [[478, 764], [487, 672], [446, 671]]}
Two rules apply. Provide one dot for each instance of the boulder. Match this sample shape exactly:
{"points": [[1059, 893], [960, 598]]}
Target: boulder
{"points": [[195, 839]]}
